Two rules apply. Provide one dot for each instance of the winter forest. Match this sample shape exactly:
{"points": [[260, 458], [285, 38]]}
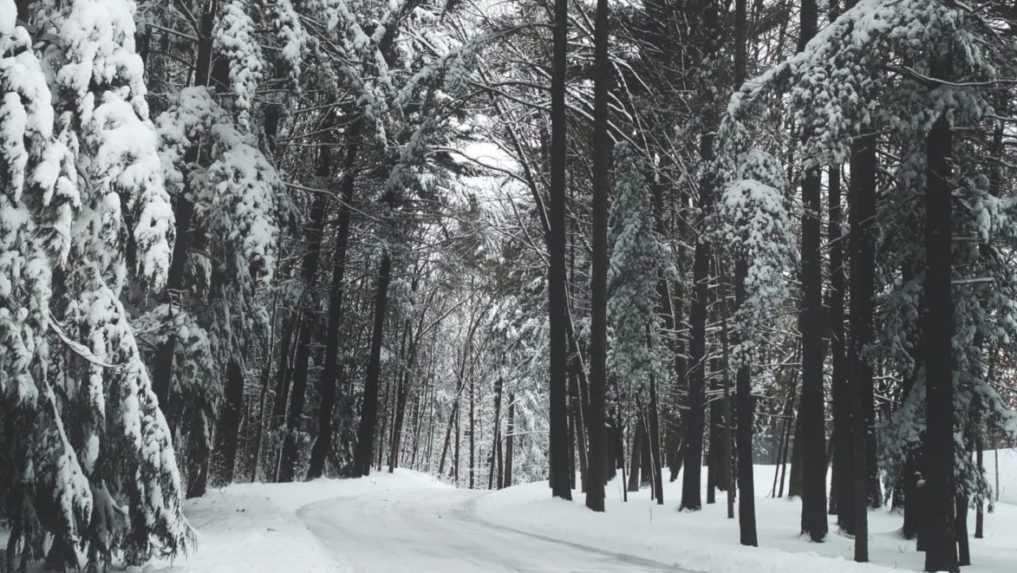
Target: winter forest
{"points": [[736, 278]]}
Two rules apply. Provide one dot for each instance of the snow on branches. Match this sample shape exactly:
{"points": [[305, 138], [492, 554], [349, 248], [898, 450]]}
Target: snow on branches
{"points": [[102, 115], [235, 39], [235, 195]]}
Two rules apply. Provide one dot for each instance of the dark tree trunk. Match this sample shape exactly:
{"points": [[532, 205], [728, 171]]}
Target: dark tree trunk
{"points": [[229, 423], [811, 411], [330, 375], [369, 414], [557, 303], [597, 470], [840, 494], [496, 439], [402, 396], [980, 505], [473, 433], [862, 245], [282, 373], [509, 440], [941, 552], [696, 416], [636, 454], [654, 445], [745, 404], [308, 324]]}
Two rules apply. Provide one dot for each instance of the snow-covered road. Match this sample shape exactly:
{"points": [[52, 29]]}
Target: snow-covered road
{"points": [[429, 529]]}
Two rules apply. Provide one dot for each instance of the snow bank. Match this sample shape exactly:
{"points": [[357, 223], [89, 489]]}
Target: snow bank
{"points": [[708, 541], [254, 528]]}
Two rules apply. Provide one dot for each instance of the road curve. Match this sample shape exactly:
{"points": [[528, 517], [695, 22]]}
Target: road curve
{"points": [[436, 529]]}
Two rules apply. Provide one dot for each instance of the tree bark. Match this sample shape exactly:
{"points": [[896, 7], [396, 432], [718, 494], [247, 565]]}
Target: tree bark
{"points": [[597, 471], [509, 440], [229, 423], [369, 414], [496, 439], [862, 244], [941, 552], [308, 323], [331, 375], [811, 412], [557, 303], [840, 495]]}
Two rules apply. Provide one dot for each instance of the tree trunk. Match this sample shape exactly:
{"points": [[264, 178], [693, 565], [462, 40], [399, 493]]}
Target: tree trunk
{"points": [[557, 303], [229, 423], [980, 506], [941, 553], [654, 445], [369, 414], [509, 440], [811, 412], [746, 404], [696, 416], [496, 440], [862, 244], [308, 323], [330, 375], [598, 330], [636, 454], [840, 495]]}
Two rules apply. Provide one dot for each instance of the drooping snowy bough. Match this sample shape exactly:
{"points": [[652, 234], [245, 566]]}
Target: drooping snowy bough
{"points": [[93, 463]]}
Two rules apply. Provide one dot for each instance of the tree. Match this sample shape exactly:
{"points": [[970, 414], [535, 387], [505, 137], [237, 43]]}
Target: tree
{"points": [[556, 290], [811, 410], [369, 417], [92, 451], [939, 494], [601, 151], [745, 403]]}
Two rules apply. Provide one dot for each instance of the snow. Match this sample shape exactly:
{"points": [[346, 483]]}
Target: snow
{"points": [[409, 521]]}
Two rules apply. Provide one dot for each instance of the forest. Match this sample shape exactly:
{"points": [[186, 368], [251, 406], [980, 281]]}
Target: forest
{"points": [[501, 242]]}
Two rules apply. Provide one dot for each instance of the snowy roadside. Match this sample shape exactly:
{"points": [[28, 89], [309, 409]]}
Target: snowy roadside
{"points": [[707, 541], [255, 528]]}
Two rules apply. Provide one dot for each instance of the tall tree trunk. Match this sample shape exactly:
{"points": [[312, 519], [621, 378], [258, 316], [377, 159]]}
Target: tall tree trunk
{"points": [[980, 505], [743, 381], [597, 470], [496, 439], [263, 393], [331, 375], [638, 437], [557, 303], [510, 429], [654, 444], [308, 323], [696, 417], [840, 495], [941, 552], [473, 427], [811, 411], [229, 423], [369, 413], [862, 244], [290, 324]]}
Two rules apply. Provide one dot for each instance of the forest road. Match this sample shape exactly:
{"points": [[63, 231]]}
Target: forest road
{"points": [[436, 529]]}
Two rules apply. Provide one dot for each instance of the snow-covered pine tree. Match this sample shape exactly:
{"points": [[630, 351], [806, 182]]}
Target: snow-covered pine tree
{"points": [[81, 171], [872, 66]]}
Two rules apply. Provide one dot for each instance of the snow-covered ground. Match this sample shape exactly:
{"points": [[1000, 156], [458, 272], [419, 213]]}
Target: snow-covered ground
{"points": [[408, 521], [708, 541], [411, 522]]}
